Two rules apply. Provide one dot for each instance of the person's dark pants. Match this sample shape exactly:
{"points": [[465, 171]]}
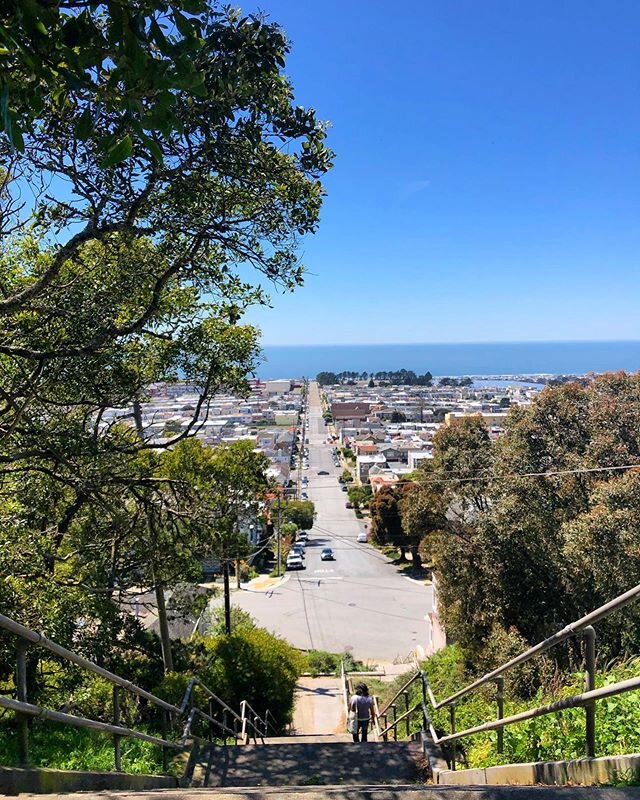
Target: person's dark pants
{"points": [[363, 728]]}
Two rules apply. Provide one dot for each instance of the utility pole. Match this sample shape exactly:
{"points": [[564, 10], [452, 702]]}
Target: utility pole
{"points": [[279, 545], [227, 597]]}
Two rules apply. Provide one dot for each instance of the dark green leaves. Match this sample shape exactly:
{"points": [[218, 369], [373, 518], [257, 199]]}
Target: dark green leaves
{"points": [[120, 150]]}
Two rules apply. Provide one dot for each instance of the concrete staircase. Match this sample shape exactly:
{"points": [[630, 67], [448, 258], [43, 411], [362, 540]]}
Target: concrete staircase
{"points": [[314, 761]]}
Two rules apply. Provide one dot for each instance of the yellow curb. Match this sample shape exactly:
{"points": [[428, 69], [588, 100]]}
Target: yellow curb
{"points": [[264, 584]]}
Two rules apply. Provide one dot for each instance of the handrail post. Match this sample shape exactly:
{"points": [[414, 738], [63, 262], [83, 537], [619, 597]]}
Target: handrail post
{"points": [[224, 723], [235, 731], [21, 687], [452, 720], [406, 708], [117, 749], [590, 684], [243, 715], [385, 735], [395, 724], [210, 731], [500, 704]]}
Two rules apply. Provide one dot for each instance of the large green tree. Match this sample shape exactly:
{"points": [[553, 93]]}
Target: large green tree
{"points": [[129, 270]]}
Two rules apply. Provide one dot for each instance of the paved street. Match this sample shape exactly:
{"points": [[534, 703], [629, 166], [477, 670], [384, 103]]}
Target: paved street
{"points": [[359, 602]]}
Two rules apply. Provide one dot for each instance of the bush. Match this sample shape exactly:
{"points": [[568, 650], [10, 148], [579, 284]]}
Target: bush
{"points": [[251, 664], [322, 662]]}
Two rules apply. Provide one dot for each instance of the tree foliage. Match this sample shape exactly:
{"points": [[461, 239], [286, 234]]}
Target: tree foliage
{"points": [[300, 513], [170, 177], [522, 554]]}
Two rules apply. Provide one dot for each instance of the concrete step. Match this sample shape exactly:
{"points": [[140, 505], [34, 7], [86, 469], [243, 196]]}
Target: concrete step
{"points": [[309, 738], [312, 764], [391, 792]]}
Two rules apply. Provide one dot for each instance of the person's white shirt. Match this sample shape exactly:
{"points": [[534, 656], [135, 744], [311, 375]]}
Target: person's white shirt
{"points": [[362, 705]]}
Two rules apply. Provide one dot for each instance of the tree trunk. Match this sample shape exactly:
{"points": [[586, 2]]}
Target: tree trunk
{"points": [[165, 639], [227, 598]]}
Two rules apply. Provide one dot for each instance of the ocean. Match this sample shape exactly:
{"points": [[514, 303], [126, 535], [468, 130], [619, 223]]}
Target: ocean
{"points": [[514, 358]]}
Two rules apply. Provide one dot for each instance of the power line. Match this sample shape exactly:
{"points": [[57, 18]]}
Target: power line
{"points": [[548, 474]]}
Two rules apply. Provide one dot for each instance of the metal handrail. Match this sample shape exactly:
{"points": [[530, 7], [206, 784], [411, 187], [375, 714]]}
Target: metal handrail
{"points": [[31, 710], [41, 641], [404, 688], [24, 710], [274, 726], [586, 699], [569, 630], [406, 715], [574, 701], [244, 705], [197, 682]]}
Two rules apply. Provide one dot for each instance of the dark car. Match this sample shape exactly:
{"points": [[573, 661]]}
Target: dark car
{"points": [[322, 472], [348, 504], [326, 554], [344, 489]]}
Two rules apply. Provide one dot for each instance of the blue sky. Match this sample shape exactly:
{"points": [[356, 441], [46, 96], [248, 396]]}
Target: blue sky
{"points": [[487, 174]]}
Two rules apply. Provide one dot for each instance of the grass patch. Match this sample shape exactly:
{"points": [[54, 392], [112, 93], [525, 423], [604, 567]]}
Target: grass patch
{"points": [[57, 746]]}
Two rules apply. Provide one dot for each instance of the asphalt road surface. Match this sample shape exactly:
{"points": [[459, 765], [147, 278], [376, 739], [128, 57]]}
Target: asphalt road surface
{"points": [[359, 602]]}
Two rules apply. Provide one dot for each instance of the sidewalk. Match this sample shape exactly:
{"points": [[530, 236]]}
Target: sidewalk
{"points": [[264, 583], [319, 706]]}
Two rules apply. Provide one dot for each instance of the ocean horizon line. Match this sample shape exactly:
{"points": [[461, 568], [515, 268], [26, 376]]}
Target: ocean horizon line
{"points": [[475, 358], [459, 344]]}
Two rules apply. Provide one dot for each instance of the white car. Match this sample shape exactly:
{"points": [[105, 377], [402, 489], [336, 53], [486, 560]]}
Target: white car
{"points": [[362, 537], [294, 561]]}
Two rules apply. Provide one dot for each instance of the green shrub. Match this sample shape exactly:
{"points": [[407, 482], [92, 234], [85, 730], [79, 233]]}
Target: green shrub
{"points": [[251, 664], [551, 737], [322, 662]]}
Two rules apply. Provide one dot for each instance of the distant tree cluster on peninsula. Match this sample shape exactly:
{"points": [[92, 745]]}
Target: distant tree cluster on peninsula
{"points": [[401, 377]]}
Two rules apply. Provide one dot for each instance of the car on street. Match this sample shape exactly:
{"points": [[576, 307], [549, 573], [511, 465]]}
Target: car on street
{"points": [[326, 554], [344, 489], [294, 561], [297, 550], [304, 496], [322, 472], [348, 504], [362, 537]]}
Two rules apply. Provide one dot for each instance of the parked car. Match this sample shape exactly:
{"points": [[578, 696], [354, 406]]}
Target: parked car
{"points": [[326, 554], [344, 488], [362, 537], [322, 472], [348, 504], [294, 561], [297, 550], [304, 496]]}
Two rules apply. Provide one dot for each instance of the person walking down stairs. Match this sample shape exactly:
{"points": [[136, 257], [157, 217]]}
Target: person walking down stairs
{"points": [[361, 704]]}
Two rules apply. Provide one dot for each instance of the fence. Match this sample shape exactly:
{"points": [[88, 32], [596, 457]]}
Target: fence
{"points": [[586, 700], [244, 726]]}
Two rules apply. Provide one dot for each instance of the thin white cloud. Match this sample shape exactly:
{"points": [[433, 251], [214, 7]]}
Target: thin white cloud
{"points": [[413, 187]]}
